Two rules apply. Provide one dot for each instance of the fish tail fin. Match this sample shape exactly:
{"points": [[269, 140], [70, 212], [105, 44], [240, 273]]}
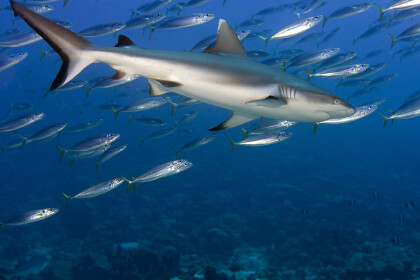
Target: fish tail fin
{"points": [[224, 2], [324, 22], [65, 3], [385, 119], [134, 13], [152, 30], [43, 53], [389, 110], [307, 74], [381, 14], [393, 40], [173, 105], [63, 152], [265, 41], [128, 183], [135, 183], [244, 132], [2, 150], [23, 140], [338, 84], [97, 166], [297, 14], [10, 108], [88, 90], [232, 143], [71, 162], [71, 47], [130, 119], [116, 112], [355, 40], [315, 127], [1, 226], [141, 141], [176, 152], [68, 198]]}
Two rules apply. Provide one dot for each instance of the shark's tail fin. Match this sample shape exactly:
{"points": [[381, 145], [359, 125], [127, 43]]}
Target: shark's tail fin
{"points": [[66, 197], [70, 46]]}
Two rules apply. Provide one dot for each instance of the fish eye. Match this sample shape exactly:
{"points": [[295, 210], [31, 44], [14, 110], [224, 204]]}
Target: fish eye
{"points": [[337, 101]]}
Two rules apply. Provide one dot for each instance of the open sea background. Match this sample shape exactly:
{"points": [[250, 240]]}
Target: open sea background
{"points": [[334, 205]]}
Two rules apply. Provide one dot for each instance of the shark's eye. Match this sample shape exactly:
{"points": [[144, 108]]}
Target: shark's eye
{"points": [[337, 101]]}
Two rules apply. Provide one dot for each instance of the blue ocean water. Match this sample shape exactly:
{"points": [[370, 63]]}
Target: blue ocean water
{"points": [[338, 204]]}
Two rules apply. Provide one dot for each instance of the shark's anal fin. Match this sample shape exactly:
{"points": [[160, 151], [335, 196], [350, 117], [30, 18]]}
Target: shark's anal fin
{"points": [[159, 87], [227, 41], [269, 101], [237, 118], [124, 41]]}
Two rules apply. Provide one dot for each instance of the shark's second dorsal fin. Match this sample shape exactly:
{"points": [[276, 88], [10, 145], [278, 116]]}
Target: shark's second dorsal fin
{"points": [[124, 41], [227, 41]]}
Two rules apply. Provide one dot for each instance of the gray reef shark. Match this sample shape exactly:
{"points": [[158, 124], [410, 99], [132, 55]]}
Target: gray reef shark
{"points": [[222, 76]]}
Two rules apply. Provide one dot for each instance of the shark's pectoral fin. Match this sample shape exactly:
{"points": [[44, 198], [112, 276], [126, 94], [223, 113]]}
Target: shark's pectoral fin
{"points": [[227, 41], [159, 87], [236, 119], [269, 101]]}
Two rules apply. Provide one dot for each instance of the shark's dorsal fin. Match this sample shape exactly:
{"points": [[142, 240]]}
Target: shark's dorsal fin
{"points": [[124, 41], [236, 119], [227, 41]]}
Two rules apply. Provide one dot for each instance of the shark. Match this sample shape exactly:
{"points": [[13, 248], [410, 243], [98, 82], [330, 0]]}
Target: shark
{"points": [[222, 76]]}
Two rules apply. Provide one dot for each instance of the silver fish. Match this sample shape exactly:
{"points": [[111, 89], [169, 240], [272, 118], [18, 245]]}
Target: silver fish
{"points": [[382, 79], [182, 21], [400, 5], [349, 10], [144, 20], [195, 143], [96, 190], [410, 109], [188, 117], [108, 82], [370, 71], [268, 127], [161, 171], [44, 134], [90, 144], [110, 153], [184, 102], [88, 154], [16, 143], [195, 3], [147, 121], [20, 122], [141, 105], [361, 112], [102, 29], [151, 6], [159, 134], [340, 71], [337, 60], [312, 57], [329, 36], [20, 107], [295, 29], [84, 126], [262, 139], [30, 217], [413, 31], [20, 39], [11, 60]]}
